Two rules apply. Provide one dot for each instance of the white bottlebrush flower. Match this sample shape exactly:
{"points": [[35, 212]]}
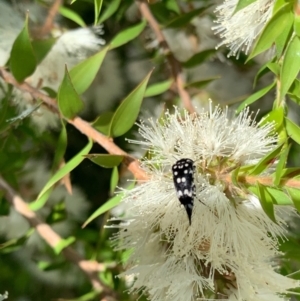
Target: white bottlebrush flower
{"points": [[239, 30], [228, 248], [4, 296]]}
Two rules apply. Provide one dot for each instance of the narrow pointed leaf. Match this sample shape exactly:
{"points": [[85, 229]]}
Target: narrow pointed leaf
{"points": [[293, 130], [297, 25], [290, 172], [105, 160], [64, 243], [281, 165], [109, 11], [272, 30], [22, 58], [269, 66], [114, 179], [254, 97], [83, 74], [113, 202], [184, 19], [201, 83], [15, 243], [295, 196], [60, 148], [242, 4], [42, 47], [158, 88], [71, 15], [69, 102], [276, 116], [283, 39], [266, 161], [279, 196], [290, 66], [198, 58], [102, 123], [68, 167], [127, 35], [266, 201], [97, 9], [127, 112]]}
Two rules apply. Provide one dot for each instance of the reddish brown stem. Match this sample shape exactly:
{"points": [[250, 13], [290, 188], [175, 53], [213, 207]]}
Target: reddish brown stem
{"points": [[173, 62]]}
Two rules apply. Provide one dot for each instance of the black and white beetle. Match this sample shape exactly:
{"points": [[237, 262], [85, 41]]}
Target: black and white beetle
{"points": [[183, 177]]}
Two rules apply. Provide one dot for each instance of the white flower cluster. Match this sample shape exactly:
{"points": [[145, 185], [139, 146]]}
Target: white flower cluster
{"points": [[227, 251], [239, 30], [4, 296]]}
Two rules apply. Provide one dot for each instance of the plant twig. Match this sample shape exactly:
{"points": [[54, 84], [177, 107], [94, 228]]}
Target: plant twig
{"points": [[173, 62], [48, 24], [83, 126], [90, 267]]}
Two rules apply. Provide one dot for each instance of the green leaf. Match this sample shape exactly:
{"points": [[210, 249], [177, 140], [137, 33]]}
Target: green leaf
{"points": [[277, 5], [97, 9], [69, 102], [50, 266], [276, 116], [64, 243], [184, 19], [294, 91], [24, 114], [272, 30], [297, 25], [105, 160], [114, 179], [242, 4], [110, 10], [266, 161], [281, 164], [295, 196], [15, 243], [172, 6], [22, 58], [42, 47], [198, 58], [290, 65], [282, 40], [41, 200], [83, 74], [293, 130], [254, 97], [269, 66], [158, 88], [279, 196], [90, 296], [58, 213], [266, 201], [113, 202], [102, 123], [128, 110], [201, 83], [67, 168], [127, 35], [60, 148], [71, 15], [290, 172]]}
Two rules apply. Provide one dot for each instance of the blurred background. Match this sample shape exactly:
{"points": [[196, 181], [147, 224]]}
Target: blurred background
{"points": [[29, 132]]}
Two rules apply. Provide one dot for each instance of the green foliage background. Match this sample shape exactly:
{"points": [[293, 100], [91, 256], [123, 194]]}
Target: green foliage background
{"points": [[27, 269]]}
